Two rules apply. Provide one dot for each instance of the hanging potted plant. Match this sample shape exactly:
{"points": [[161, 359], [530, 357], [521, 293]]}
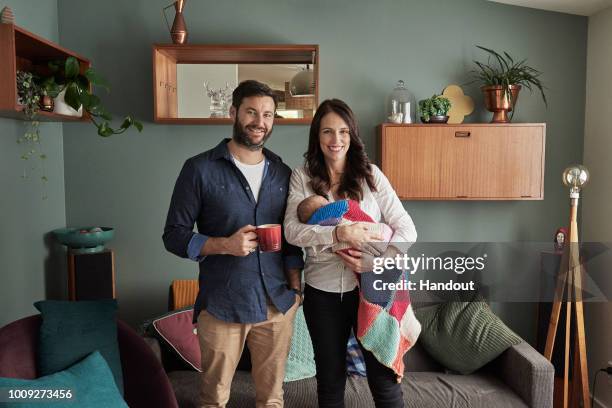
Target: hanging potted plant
{"points": [[35, 92], [502, 82], [67, 83]]}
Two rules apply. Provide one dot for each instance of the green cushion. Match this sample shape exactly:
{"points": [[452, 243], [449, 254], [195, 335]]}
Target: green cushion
{"points": [[90, 382], [464, 336], [70, 331], [300, 363]]}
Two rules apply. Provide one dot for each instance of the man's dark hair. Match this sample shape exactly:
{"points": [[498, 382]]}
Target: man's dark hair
{"points": [[250, 88]]}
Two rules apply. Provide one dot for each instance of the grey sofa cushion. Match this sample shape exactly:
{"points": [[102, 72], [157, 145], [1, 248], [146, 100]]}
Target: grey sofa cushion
{"points": [[417, 360], [298, 394], [437, 390], [431, 390]]}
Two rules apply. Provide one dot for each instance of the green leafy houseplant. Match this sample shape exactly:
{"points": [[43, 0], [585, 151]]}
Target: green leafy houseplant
{"points": [[437, 105], [29, 94], [65, 75], [503, 70]]}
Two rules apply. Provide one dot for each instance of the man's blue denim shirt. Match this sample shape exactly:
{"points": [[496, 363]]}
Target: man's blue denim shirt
{"points": [[214, 194]]}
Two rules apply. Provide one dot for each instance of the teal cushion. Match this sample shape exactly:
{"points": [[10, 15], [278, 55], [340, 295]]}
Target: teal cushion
{"points": [[300, 363], [70, 331], [90, 382], [464, 336]]}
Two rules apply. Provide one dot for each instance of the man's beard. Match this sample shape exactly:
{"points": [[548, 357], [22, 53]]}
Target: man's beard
{"points": [[241, 137]]}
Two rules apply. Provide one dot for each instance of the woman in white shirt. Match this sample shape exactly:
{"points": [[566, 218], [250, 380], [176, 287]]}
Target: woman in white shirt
{"points": [[337, 167]]}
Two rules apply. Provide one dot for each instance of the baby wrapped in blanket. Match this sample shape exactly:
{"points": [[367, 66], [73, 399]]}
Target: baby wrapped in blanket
{"points": [[316, 210], [388, 328]]}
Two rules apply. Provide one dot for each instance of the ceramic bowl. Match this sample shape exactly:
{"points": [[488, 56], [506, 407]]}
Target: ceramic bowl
{"points": [[85, 239]]}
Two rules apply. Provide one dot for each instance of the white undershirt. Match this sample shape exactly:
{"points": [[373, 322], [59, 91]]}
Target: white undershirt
{"points": [[253, 173]]}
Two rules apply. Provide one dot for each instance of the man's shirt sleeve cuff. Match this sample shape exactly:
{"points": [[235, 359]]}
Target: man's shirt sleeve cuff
{"points": [[194, 247], [293, 262]]}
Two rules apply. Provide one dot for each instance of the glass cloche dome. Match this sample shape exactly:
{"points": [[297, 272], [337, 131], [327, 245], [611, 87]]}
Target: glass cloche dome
{"points": [[401, 105]]}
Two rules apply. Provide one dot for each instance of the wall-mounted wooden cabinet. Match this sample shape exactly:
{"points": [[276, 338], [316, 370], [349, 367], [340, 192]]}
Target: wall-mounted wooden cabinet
{"points": [[181, 71], [464, 162], [25, 51]]}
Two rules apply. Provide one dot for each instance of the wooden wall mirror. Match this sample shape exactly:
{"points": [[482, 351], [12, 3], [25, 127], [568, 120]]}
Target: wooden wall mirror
{"points": [[192, 84]]}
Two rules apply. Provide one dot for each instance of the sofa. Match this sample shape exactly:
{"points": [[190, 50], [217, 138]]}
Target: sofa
{"points": [[520, 377], [145, 382]]}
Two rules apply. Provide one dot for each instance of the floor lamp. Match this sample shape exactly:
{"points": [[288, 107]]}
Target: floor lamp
{"points": [[571, 275]]}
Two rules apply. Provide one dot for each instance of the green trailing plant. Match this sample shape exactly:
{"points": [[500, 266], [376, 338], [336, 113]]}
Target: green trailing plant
{"points": [[504, 70], [29, 94], [437, 105], [66, 75]]}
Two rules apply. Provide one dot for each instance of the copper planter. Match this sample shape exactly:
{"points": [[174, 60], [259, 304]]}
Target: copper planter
{"points": [[46, 103], [498, 102]]}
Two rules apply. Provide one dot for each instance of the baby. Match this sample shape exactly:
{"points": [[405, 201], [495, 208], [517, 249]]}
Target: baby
{"points": [[317, 210]]}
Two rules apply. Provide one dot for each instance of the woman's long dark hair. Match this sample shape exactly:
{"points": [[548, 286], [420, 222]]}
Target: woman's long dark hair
{"points": [[357, 166]]}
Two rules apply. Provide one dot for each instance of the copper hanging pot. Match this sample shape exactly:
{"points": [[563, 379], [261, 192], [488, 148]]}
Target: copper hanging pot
{"points": [[178, 32], [46, 103], [499, 103]]}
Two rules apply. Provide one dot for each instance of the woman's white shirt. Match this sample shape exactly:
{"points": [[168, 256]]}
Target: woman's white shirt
{"points": [[323, 269]]}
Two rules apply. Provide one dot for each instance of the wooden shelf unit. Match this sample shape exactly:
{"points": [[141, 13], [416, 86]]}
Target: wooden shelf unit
{"points": [[464, 162], [167, 56], [26, 51]]}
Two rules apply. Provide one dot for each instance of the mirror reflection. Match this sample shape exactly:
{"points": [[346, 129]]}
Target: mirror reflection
{"points": [[205, 90]]}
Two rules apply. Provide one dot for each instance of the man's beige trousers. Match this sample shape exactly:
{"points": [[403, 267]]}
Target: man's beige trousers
{"points": [[221, 344]]}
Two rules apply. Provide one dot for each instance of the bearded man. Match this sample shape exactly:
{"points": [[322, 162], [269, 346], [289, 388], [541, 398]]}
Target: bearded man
{"points": [[243, 294]]}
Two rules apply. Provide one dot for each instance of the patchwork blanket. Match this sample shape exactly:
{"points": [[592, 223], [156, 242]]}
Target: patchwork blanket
{"points": [[386, 324]]}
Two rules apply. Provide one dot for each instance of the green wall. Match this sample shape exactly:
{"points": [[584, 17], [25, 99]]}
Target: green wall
{"points": [[28, 272], [126, 181]]}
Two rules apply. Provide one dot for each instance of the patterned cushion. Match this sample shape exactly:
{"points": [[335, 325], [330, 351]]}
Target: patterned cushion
{"points": [[300, 363], [355, 365], [178, 332]]}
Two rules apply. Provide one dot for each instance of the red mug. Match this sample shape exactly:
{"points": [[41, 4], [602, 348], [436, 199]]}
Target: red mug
{"points": [[269, 237]]}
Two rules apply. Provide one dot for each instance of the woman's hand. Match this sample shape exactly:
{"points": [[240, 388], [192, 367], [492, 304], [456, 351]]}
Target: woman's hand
{"points": [[356, 234], [357, 261]]}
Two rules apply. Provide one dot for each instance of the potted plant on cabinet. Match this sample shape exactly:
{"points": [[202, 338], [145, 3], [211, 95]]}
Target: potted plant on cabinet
{"points": [[67, 83], [434, 109], [503, 81]]}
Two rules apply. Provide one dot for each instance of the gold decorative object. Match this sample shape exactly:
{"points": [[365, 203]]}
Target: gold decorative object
{"points": [[461, 104], [178, 32], [7, 16]]}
